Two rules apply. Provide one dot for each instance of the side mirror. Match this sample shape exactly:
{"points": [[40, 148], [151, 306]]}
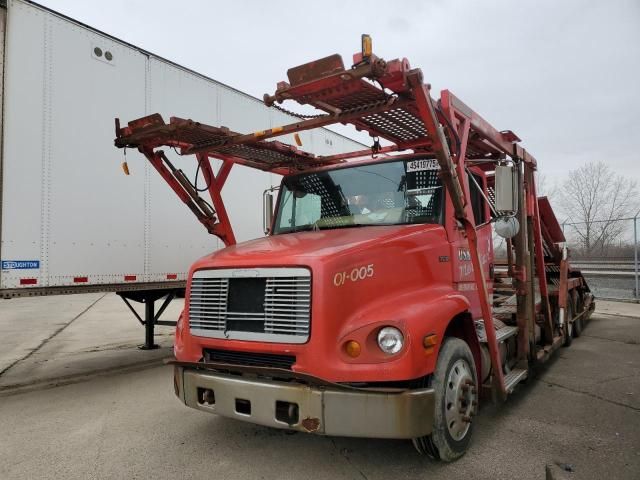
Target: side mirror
{"points": [[506, 224], [505, 191], [267, 210]]}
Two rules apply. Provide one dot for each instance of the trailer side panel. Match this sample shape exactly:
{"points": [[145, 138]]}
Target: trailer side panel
{"points": [[71, 221]]}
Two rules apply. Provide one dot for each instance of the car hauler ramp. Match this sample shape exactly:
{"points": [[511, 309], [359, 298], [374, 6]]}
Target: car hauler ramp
{"points": [[389, 100]]}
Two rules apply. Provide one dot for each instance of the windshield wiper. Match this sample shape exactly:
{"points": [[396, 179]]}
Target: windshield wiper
{"points": [[312, 227], [315, 227], [305, 228]]}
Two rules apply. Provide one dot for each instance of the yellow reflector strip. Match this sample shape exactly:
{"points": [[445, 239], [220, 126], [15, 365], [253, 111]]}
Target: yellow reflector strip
{"points": [[296, 137], [125, 168]]}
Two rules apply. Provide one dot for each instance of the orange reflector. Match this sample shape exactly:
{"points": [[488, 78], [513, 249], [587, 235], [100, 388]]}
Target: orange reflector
{"points": [[367, 46], [296, 137], [125, 168], [352, 348], [430, 341], [276, 129]]}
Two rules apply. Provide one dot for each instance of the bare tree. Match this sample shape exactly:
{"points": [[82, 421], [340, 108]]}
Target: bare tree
{"points": [[594, 198], [544, 186]]}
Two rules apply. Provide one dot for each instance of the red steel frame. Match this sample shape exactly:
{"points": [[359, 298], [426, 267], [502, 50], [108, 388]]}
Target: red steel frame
{"points": [[453, 134]]}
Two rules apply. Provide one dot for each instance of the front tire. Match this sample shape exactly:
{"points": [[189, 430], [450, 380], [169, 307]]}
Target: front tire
{"points": [[456, 398]]}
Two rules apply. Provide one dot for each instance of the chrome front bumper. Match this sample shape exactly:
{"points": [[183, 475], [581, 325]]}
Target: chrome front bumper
{"points": [[345, 412]]}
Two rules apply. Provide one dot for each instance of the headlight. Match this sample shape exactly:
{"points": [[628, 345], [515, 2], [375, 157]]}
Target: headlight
{"points": [[390, 340]]}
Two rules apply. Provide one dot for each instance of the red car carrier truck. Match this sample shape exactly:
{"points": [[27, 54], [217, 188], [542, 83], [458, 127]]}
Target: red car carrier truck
{"points": [[374, 307]]}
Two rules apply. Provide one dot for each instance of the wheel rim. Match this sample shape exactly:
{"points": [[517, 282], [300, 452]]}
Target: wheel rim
{"points": [[460, 399]]}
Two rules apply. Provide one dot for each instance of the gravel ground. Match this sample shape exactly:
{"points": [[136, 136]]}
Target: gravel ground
{"points": [[612, 287]]}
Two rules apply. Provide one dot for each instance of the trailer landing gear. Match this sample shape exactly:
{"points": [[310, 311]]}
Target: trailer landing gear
{"points": [[151, 319]]}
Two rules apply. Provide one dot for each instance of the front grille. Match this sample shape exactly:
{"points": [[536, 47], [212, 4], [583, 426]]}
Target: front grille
{"points": [[250, 359], [262, 304]]}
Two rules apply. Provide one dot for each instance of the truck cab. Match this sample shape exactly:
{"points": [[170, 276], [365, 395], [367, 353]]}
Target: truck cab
{"points": [[362, 274]]}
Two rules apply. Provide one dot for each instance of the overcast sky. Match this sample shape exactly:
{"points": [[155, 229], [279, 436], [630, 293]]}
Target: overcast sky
{"points": [[563, 75]]}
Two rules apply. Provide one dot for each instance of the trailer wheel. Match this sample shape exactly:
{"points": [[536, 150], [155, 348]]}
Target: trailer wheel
{"points": [[568, 324], [578, 326], [456, 399]]}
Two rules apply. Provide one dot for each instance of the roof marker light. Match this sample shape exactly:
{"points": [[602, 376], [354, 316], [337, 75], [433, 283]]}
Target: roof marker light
{"points": [[367, 46]]}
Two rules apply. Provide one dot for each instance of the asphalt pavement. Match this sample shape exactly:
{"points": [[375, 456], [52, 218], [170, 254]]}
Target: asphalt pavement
{"points": [[117, 416], [63, 339]]}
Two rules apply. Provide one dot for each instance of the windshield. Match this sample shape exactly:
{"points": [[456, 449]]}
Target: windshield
{"points": [[390, 193]]}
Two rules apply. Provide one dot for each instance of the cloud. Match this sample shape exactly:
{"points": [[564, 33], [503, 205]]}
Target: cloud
{"points": [[562, 75]]}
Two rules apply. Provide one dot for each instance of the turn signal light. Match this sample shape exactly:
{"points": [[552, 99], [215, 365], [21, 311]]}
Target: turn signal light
{"points": [[352, 348], [429, 342]]}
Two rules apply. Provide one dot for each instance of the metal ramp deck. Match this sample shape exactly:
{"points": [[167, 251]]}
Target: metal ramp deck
{"points": [[189, 136]]}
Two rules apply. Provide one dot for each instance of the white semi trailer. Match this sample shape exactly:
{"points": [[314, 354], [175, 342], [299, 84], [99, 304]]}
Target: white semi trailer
{"points": [[70, 220]]}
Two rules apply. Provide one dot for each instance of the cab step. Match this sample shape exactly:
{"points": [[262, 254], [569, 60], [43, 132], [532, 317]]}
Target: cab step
{"points": [[514, 377], [502, 333]]}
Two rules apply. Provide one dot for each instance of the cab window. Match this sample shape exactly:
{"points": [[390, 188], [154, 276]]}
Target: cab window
{"points": [[477, 201]]}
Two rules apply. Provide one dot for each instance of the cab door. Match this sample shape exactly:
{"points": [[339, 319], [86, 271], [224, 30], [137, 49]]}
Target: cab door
{"points": [[463, 275]]}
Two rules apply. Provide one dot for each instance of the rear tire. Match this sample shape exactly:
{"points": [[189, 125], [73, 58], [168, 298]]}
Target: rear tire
{"points": [[455, 384], [569, 326], [577, 327]]}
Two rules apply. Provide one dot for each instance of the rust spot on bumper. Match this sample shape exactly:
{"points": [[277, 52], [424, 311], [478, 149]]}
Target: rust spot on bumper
{"points": [[311, 424]]}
